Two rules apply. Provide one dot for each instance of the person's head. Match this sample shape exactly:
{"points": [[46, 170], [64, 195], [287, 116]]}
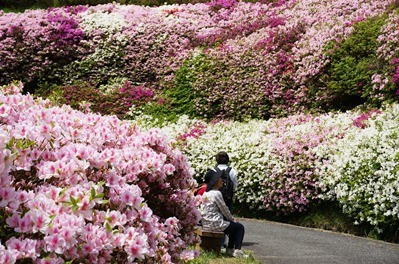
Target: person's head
{"points": [[215, 180], [222, 158]]}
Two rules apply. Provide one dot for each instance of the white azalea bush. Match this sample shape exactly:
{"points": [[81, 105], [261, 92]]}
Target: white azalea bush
{"points": [[362, 173], [287, 165], [275, 159], [86, 188], [248, 151]]}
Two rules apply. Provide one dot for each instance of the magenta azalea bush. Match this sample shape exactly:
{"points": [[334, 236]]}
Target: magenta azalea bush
{"points": [[246, 59], [36, 42], [87, 188]]}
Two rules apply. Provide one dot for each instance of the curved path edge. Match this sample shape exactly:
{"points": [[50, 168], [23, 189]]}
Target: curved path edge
{"points": [[279, 243]]}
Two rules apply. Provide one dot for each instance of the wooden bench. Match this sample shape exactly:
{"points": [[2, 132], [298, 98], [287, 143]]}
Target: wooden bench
{"points": [[210, 240]]}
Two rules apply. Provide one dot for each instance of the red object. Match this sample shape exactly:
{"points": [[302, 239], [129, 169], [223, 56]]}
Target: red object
{"points": [[201, 190]]}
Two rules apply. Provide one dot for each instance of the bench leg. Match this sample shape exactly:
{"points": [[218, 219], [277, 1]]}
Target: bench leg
{"points": [[211, 244]]}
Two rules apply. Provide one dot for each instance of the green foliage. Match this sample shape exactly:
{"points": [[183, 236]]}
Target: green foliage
{"points": [[205, 65], [183, 94], [179, 99], [326, 215], [214, 94], [160, 110], [212, 257], [346, 81], [117, 101]]}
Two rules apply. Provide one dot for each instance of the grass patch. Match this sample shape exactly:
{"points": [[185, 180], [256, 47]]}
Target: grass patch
{"points": [[326, 216], [213, 258]]}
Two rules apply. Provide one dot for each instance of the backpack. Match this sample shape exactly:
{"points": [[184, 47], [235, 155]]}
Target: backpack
{"points": [[227, 189]]}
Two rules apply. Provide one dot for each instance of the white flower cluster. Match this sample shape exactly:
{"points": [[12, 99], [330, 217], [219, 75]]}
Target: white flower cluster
{"points": [[108, 22], [355, 165], [362, 173]]}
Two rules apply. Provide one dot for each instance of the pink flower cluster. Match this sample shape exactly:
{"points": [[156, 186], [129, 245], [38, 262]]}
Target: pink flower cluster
{"points": [[89, 188], [196, 130], [295, 185], [34, 42], [360, 121]]}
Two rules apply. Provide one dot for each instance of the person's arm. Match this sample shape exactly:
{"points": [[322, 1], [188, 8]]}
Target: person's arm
{"points": [[223, 207], [233, 177]]}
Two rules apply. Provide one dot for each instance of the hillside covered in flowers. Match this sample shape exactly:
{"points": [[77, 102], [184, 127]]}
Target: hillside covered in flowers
{"points": [[218, 59]]}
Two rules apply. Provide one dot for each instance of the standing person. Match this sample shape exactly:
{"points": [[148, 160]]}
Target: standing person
{"points": [[229, 177], [222, 159], [216, 216]]}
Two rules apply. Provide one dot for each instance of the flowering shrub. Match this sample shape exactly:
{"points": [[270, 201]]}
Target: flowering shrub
{"points": [[86, 188], [362, 170], [275, 159], [286, 165], [361, 121], [115, 102], [388, 53], [34, 42]]}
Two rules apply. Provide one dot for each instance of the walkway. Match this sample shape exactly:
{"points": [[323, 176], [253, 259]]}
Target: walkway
{"points": [[277, 243]]}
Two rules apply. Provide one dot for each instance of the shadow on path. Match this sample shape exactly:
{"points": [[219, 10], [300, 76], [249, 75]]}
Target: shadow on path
{"points": [[277, 243], [248, 244]]}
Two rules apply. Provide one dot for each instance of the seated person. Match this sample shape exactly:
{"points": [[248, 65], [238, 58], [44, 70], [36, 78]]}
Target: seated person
{"points": [[214, 211]]}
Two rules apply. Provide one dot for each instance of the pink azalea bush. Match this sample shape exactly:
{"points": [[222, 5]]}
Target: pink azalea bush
{"points": [[87, 188], [292, 181], [388, 52]]}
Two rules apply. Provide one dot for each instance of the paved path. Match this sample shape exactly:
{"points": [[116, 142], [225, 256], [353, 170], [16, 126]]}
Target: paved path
{"points": [[277, 243]]}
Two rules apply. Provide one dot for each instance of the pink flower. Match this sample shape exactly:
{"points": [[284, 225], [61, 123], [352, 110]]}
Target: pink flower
{"points": [[24, 196], [136, 247], [113, 179], [25, 224], [40, 221], [13, 221], [145, 214], [6, 195], [168, 169], [16, 244], [115, 218], [126, 197], [171, 225], [55, 243], [87, 248], [8, 256]]}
